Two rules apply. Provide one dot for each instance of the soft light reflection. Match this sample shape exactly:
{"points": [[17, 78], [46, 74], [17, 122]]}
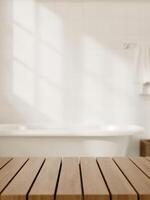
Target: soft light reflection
{"points": [[24, 13], [24, 46], [23, 83], [50, 64], [37, 64], [95, 56], [43, 65], [97, 80], [50, 27]]}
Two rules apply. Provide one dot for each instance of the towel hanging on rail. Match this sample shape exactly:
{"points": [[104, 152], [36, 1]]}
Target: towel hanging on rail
{"points": [[143, 67]]}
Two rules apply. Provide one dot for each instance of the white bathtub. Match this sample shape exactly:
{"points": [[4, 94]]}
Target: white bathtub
{"points": [[42, 140]]}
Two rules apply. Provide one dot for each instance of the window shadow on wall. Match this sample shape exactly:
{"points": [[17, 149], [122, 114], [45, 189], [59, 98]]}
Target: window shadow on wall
{"points": [[61, 67]]}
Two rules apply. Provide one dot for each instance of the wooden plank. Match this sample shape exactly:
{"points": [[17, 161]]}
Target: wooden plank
{"points": [[136, 177], [118, 185], [148, 158], [94, 187], [45, 184], [143, 164], [4, 161], [18, 188], [10, 170], [69, 186]]}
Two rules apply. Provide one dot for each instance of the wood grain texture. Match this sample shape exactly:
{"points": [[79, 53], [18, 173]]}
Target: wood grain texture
{"points": [[143, 164], [145, 147], [94, 187], [4, 161], [69, 186], [104, 179], [18, 188], [148, 158], [136, 177], [45, 184], [118, 185], [10, 170]]}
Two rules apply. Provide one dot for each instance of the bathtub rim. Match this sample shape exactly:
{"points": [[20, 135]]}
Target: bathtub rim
{"points": [[104, 131], [70, 134]]}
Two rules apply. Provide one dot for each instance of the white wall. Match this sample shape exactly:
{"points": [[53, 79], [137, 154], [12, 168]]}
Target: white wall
{"points": [[63, 61]]}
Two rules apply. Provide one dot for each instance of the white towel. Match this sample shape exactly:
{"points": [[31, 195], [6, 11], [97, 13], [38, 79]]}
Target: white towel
{"points": [[143, 67]]}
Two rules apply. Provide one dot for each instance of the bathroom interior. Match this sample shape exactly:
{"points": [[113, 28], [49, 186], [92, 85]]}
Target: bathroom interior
{"points": [[74, 77]]}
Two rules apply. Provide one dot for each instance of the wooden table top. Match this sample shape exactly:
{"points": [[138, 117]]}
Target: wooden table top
{"points": [[74, 178]]}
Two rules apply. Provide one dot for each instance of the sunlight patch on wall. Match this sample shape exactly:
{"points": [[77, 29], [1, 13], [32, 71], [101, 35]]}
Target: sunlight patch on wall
{"points": [[23, 83], [24, 13], [23, 46], [96, 56], [94, 60], [105, 85], [97, 80], [50, 27], [37, 60], [50, 64]]}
